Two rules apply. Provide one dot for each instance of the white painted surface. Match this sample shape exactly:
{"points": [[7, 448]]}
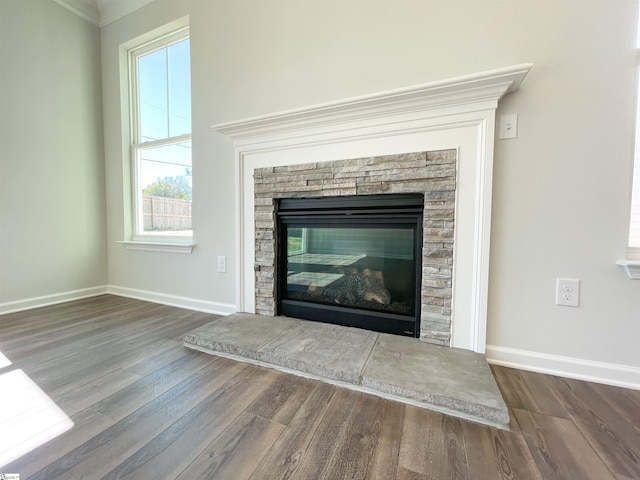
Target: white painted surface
{"points": [[592, 371], [173, 300]]}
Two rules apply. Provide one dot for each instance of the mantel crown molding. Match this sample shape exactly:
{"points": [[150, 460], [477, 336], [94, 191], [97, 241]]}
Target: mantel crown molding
{"points": [[431, 98]]}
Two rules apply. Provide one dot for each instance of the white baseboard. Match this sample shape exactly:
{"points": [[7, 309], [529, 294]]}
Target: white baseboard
{"points": [[37, 302], [174, 300], [608, 373]]}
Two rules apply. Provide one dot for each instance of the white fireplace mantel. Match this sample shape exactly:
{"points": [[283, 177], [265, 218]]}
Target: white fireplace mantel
{"points": [[457, 113]]}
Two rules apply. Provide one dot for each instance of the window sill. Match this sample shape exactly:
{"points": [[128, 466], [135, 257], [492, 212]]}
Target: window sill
{"points": [[632, 267], [166, 247]]}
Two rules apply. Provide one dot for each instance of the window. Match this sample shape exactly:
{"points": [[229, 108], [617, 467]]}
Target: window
{"points": [[632, 261], [634, 230], [160, 88]]}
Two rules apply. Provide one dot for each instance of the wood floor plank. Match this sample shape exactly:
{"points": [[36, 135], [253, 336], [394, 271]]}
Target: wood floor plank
{"points": [[87, 424], [323, 443], [147, 389], [405, 474], [104, 414], [80, 394], [52, 319], [559, 449], [530, 391], [67, 327], [280, 402], [170, 452], [89, 363], [499, 454], [361, 450], [283, 459], [607, 427], [433, 445], [159, 359], [387, 453], [104, 452], [83, 396], [236, 453]]}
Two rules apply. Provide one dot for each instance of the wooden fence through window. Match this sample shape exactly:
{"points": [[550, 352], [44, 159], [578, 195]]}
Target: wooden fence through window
{"points": [[162, 213]]}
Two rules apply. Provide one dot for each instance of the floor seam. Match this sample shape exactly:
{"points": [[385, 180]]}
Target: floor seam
{"points": [[368, 360]]}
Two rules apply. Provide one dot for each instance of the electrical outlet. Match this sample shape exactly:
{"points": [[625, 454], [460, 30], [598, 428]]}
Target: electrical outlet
{"points": [[222, 264], [568, 292]]}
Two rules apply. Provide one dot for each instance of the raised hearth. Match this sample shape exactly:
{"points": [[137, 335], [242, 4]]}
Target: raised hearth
{"points": [[448, 380]]}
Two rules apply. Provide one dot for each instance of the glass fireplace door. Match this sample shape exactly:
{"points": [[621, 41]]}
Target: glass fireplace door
{"points": [[356, 267], [367, 268]]}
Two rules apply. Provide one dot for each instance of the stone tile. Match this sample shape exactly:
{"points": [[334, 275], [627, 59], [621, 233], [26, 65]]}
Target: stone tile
{"points": [[330, 351], [241, 334], [447, 378]]}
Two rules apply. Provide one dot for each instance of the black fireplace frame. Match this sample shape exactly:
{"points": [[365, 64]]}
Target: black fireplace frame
{"points": [[361, 211]]}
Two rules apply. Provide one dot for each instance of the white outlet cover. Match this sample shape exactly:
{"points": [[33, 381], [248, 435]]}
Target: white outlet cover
{"points": [[568, 292]]}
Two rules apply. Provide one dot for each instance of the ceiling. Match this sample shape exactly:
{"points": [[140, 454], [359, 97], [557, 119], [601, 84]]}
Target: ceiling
{"points": [[102, 12]]}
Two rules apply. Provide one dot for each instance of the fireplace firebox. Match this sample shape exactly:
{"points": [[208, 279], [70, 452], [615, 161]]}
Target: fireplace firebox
{"points": [[351, 260]]}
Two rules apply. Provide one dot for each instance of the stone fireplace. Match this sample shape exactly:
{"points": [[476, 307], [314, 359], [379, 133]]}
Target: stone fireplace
{"points": [[435, 139], [431, 174]]}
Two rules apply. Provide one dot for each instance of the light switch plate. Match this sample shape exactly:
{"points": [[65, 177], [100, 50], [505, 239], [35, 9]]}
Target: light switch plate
{"points": [[508, 126], [222, 264]]}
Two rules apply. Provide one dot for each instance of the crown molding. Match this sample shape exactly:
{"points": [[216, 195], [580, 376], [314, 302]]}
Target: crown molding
{"points": [[112, 10], [85, 9], [488, 86], [102, 12]]}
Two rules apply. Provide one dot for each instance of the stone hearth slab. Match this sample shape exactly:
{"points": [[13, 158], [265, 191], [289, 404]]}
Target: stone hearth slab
{"points": [[452, 381], [448, 378], [330, 351], [241, 334]]}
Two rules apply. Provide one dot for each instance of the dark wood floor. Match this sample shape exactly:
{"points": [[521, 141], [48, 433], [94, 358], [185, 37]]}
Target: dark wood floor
{"points": [[144, 407]]}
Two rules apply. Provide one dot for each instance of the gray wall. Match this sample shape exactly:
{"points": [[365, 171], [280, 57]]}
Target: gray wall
{"points": [[52, 194]]}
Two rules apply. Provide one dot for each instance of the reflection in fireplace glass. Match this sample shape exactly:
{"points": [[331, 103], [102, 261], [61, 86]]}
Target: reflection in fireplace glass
{"points": [[366, 268]]}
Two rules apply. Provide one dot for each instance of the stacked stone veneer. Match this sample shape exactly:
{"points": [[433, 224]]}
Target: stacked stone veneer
{"points": [[430, 173]]}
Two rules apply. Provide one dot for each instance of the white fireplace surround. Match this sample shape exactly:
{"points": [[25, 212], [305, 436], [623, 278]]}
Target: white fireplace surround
{"points": [[458, 113]]}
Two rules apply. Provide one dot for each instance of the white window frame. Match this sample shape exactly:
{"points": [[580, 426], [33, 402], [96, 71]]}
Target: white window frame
{"points": [[631, 263], [138, 240]]}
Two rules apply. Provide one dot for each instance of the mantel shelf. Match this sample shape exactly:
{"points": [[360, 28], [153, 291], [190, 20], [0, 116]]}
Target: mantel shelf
{"points": [[488, 87]]}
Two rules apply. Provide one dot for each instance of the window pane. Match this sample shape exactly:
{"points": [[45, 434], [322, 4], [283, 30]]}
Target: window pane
{"points": [[634, 233], [152, 95], [179, 89], [165, 189]]}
